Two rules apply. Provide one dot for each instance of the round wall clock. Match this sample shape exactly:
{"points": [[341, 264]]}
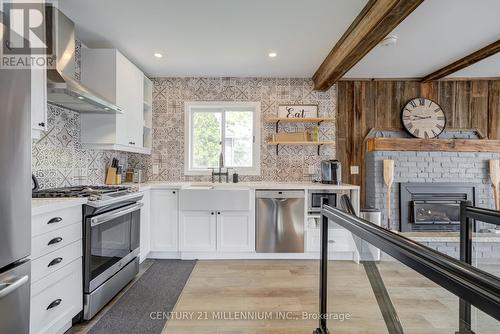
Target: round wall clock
{"points": [[423, 118]]}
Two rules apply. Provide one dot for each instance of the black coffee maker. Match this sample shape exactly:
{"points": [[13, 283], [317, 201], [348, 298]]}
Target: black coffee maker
{"points": [[331, 172]]}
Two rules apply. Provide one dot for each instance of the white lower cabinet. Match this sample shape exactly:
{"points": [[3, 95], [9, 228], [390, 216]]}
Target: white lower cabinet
{"points": [[56, 299], [145, 239], [164, 220], [197, 231], [216, 231], [235, 231], [56, 270], [339, 240]]}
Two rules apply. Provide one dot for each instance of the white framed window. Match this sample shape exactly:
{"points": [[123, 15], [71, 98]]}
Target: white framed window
{"points": [[230, 128]]}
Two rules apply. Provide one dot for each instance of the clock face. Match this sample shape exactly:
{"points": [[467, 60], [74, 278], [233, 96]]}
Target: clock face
{"points": [[423, 118]]}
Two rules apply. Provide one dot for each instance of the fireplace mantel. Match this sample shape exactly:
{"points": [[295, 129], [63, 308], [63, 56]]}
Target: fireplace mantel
{"points": [[436, 145]]}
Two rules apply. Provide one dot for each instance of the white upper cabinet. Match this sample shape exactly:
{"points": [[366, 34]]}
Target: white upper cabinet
{"points": [[118, 80], [148, 113], [38, 100], [38, 94]]}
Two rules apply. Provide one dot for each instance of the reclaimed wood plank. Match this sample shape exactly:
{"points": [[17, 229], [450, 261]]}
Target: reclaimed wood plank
{"points": [[437, 145]]}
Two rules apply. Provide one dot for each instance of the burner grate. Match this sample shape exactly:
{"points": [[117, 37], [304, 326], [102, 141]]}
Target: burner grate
{"points": [[79, 191]]}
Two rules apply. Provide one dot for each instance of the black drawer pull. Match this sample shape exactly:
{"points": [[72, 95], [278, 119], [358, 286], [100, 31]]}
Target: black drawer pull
{"points": [[55, 303], [55, 241], [54, 220], [57, 260]]}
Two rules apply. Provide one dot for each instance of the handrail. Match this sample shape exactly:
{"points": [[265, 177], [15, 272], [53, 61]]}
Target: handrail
{"points": [[346, 204], [485, 215], [468, 216], [477, 287]]}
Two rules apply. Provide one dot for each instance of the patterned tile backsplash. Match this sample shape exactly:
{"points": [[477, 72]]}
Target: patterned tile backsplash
{"points": [[292, 162], [58, 158]]}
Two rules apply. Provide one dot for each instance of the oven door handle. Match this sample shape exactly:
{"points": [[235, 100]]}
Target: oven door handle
{"points": [[101, 219]]}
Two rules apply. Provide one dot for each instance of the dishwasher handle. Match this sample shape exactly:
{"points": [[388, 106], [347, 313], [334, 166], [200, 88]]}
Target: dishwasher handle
{"points": [[279, 194]]}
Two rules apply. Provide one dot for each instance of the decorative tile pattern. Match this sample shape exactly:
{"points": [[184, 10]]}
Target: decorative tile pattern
{"points": [[169, 95], [58, 159]]}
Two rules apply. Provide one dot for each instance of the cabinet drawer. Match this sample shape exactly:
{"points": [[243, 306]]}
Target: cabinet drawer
{"points": [[54, 240], [51, 221], [54, 261], [56, 299], [338, 241]]}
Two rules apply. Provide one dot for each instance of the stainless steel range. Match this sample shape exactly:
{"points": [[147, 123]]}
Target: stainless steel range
{"points": [[111, 235]]}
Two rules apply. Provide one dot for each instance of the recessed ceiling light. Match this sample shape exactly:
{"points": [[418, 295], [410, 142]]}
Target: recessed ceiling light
{"points": [[106, 108], [272, 54], [158, 55], [389, 40], [80, 97]]}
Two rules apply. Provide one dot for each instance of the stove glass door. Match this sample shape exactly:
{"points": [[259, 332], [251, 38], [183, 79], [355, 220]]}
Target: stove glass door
{"points": [[114, 241]]}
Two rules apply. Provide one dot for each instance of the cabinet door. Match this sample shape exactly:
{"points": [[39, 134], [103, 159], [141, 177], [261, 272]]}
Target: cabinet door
{"points": [[39, 99], [339, 240], [197, 231], [145, 225], [164, 220], [235, 231], [130, 95]]}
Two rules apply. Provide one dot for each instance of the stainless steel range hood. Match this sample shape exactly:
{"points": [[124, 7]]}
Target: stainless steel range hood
{"points": [[62, 88]]}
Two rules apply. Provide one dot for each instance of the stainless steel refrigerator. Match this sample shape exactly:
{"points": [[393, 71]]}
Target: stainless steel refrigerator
{"points": [[15, 200]]}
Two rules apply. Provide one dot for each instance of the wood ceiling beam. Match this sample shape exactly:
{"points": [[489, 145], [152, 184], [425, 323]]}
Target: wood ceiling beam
{"points": [[377, 19], [464, 62]]}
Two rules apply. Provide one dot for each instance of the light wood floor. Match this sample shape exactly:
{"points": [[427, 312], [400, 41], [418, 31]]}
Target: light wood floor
{"points": [[293, 286], [275, 286]]}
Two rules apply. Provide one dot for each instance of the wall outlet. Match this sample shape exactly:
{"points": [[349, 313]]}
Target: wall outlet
{"points": [[354, 170], [156, 170], [311, 170]]}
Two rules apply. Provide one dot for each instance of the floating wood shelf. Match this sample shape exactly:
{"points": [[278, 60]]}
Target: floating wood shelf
{"points": [[279, 120], [318, 120], [301, 143], [318, 143], [438, 145]]}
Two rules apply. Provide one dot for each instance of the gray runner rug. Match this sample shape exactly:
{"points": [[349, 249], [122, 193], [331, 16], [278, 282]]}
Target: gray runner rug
{"points": [[157, 290]]}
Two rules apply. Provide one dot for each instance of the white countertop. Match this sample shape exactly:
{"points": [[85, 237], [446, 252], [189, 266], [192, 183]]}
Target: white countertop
{"points": [[252, 185], [44, 205]]}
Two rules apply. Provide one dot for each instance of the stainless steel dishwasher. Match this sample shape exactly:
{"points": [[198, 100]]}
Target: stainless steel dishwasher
{"points": [[279, 221]]}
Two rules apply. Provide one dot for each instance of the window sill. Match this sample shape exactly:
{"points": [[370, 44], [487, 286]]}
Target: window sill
{"points": [[208, 172]]}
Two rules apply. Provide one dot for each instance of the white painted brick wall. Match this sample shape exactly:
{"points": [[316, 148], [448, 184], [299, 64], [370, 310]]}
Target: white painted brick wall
{"points": [[442, 167]]}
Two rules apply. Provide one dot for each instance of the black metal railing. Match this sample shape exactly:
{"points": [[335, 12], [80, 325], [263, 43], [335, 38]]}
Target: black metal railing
{"points": [[468, 217], [476, 287]]}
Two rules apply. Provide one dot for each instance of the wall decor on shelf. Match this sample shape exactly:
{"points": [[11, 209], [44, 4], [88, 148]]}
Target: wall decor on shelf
{"points": [[298, 114], [298, 111]]}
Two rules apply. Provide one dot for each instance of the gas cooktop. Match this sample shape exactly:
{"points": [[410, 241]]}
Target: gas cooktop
{"points": [[76, 191], [97, 195]]}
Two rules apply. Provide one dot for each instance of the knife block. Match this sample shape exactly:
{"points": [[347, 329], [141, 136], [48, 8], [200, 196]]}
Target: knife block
{"points": [[111, 175]]}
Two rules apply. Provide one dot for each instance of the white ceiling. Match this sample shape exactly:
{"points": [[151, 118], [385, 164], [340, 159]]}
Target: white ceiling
{"points": [[437, 33], [489, 67], [216, 37]]}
